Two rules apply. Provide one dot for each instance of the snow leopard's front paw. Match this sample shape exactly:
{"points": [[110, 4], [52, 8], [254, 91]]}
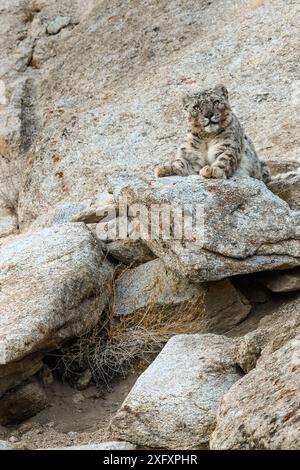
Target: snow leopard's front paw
{"points": [[162, 170], [212, 172], [206, 172], [218, 172]]}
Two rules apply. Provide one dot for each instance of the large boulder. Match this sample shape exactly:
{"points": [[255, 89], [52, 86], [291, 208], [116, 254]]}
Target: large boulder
{"points": [[54, 285], [262, 410], [243, 228], [173, 403], [152, 290]]}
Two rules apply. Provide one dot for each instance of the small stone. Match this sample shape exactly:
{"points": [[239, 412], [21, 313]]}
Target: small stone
{"points": [[72, 434], [46, 376], [84, 380], [78, 398], [57, 24]]}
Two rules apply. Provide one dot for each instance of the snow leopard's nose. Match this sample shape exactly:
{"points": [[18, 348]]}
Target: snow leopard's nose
{"points": [[209, 115]]}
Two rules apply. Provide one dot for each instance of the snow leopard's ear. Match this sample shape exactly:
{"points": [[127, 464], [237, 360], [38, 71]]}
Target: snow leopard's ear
{"points": [[187, 99], [221, 90]]}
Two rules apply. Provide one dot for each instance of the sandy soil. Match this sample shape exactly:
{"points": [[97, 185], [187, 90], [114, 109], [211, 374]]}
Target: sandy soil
{"points": [[72, 418]]}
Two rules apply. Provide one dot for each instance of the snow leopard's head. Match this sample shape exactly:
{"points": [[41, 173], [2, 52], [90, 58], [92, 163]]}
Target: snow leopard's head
{"points": [[208, 110]]}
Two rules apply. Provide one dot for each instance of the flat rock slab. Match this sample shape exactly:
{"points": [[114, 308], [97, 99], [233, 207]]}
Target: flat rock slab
{"points": [[173, 403], [246, 227], [54, 285]]}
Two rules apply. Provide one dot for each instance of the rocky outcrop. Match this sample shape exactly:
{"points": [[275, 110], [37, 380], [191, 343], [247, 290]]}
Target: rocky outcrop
{"points": [[152, 290], [133, 119], [54, 285], [243, 228], [173, 403], [262, 410]]}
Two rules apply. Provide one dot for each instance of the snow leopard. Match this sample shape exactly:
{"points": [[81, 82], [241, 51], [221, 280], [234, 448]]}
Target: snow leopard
{"points": [[216, 144]]}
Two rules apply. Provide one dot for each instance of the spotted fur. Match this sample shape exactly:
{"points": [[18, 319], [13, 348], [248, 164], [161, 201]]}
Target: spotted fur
{"points": [[216, 145]]}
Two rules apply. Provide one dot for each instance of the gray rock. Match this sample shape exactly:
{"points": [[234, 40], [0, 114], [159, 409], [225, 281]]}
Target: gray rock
{"points": [[130, 252], [282, 281], [22, 403], [261, 411], [150, 288], [173, 403], [270, 334], [245, 227], [23, 54], [288, 189], [53, 286], [57, 24]]}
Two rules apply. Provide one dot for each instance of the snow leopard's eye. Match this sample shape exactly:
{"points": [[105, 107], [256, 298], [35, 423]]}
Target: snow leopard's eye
{"points": [[216, 102], [196, 106]]}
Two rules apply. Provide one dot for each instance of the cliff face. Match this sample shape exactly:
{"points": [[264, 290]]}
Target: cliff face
{"points": [[102, 91], [89, 104]]}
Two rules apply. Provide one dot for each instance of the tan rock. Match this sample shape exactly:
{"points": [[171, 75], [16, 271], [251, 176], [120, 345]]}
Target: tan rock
{"points": [[283, 281]]}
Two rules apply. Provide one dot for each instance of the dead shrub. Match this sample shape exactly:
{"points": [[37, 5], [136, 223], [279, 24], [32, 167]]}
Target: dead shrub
{"points": [[120, 345], [29, 8]]}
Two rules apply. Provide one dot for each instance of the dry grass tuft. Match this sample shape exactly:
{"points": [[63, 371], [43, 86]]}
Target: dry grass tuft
{"points": [[29, 8], [11, 181], [118, 346]]}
